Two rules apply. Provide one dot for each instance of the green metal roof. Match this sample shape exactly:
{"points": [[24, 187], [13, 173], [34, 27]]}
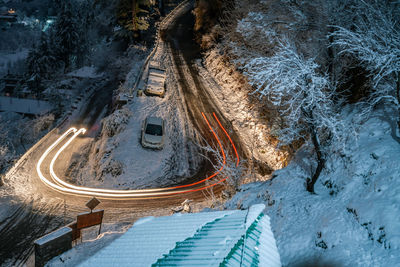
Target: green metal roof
{"points": [[221, 238], [210, 245], [227, 242]]}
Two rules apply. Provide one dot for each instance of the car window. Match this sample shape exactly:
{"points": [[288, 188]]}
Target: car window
{"points": [[154, 129]]}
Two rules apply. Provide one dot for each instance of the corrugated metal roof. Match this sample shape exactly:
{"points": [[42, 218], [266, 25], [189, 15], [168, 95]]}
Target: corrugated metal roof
{"points": [[210, 245], [256, 248], [267, 249], [224, 238], [150, 238]]}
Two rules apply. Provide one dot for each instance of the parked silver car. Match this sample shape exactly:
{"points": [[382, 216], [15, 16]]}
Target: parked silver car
{"points": [[153, 133]]}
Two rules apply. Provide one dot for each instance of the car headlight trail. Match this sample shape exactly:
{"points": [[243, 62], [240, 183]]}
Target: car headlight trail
{"points": [[61, 186]]}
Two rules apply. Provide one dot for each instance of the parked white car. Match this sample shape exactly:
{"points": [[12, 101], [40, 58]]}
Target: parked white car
{"points": [[155, 81], [153, 133]]}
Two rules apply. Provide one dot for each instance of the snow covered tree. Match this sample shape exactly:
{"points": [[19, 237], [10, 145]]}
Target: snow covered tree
{"points": [[303, 96], [374, 40], [66, 35], [132, 16], [85, 16], [40, 63]]}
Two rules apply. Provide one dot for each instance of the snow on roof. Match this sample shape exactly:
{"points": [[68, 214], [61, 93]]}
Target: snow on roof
{"points": [[254, 212], [53, 235], [85, 72], [207, 238], [210, 245], [154, 120], [258, 248], [268, 251], [150, 238], [7, 17], [157, 72], [25, 106], [156, 80]]}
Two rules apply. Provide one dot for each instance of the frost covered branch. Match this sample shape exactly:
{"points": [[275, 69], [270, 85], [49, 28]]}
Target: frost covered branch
{"points": [[228, 167], [374, 40], [304, 96]]}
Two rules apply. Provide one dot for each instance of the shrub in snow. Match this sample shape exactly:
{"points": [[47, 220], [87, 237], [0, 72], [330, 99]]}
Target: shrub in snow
{"points": [[5, 157], [229, 167], [43, 123], [114, 123], [114, 168]]}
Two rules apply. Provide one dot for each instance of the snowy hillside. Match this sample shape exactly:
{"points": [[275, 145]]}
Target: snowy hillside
{"points": [[329, 94], [354, 217]]}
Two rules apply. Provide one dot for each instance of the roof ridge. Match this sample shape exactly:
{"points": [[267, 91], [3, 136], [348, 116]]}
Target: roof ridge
{"points": [[241, 242]]}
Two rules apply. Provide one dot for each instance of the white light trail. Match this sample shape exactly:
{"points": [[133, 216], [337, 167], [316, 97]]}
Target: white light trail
{"points": [[67, 188], [89, 189]]}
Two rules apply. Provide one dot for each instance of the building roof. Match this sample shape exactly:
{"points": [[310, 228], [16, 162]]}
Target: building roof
{"points": [[218, 238], [24, 106]]}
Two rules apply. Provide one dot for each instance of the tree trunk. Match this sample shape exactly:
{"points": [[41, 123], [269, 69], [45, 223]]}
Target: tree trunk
{"points": [[398, 98], [134, 15], [320, 160], [161, 7]]}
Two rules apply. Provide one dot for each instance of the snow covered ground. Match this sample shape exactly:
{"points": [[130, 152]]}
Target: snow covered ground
{"points": [[354, 217], [117, 159], [121, 161], [145, 167], [90, 245], [9, 59]]}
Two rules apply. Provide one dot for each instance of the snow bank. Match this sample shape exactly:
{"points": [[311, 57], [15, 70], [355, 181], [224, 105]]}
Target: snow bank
{"points": [[231, 91], [84, 250], [353, 220], [116, 122]]}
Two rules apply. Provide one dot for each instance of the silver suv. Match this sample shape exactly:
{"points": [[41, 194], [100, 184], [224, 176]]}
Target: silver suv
{"points": [[153, 133]]}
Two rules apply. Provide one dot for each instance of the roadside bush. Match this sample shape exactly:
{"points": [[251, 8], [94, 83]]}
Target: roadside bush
{"points": [[114, 168], [116, 122], [43, 123]]}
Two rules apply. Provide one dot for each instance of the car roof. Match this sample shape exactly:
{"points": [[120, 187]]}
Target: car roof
{"points": [[154, 120]]}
